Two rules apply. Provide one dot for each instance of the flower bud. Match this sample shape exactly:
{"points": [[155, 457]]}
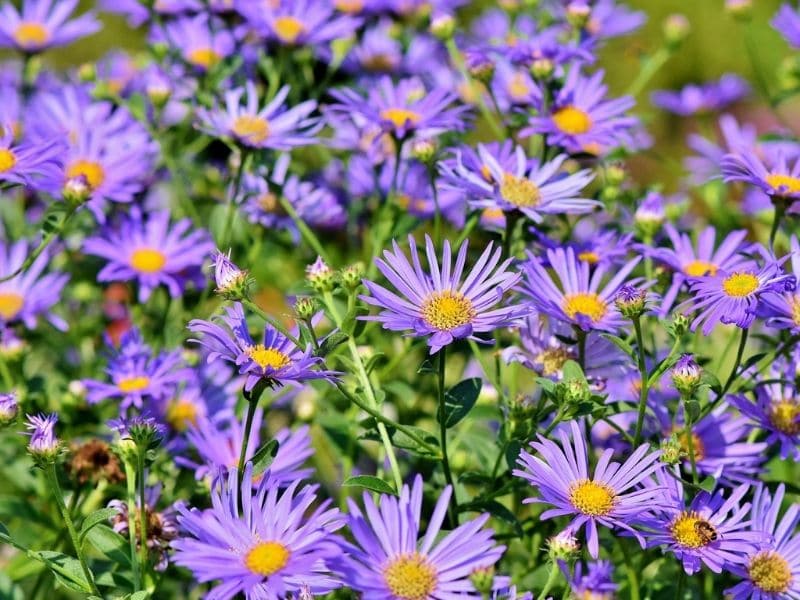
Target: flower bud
{"points": [[578, 13], [350, 277], [631, 301], [574, 390], [9, 409], [686, 375], [87, 72], [482, 579], [680, 324], [442, 26], [671, 450], [542, 68], [739, 9], [76, 190], [320, 275], [650, 215], [232, 282], [43, 446], [304, 308], [615, 174], [145, 432], [676, 28], [423, 150], [479, 65], [563, 546]]}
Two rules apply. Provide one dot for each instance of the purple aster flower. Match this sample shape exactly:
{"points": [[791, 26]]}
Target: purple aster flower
{"points": [[710, 97], [43, 24], [530, 187], [773, 571], [733, 297], [202, 42], [608, 19], [43, 443], [776, 410], [513, 86], [439, 305], [31, 294], [776, 178], [787, 22], [712, 530], [783, 310], [404, 109], [612, 496], [576, 296], [469, 159], [142, 428], [596, 583], [9, 408], [273, 126], [274, 545], [138, 14], [376, 52], [389, 561], [28, 163], [735, 138], [276, 360], [152, 252], [596, 247], [689, 262], [581, 120]]}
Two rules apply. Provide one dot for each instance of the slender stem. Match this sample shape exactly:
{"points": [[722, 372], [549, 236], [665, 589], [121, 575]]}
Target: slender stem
{"points": [[231, 208], [252, 404], [648, 70], [142, 510], [437, 217], [645, 382], [780, 209], [551, 580], [130, 477], [581, 348], [679, 592], [305, 231], [508, 234], [765, 362], [690, 440], [448, 475], [8, 380], [272, 321], [630, 569], [731, 378], [73, 534]]}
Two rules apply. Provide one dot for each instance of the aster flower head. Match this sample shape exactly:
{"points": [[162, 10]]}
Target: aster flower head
{"points": [[595, 582], [575, 295], [610, 497], [153, 252], [143, 429], [202, 42], [709, 97], [388, 560], [9, 408], [438, 304], [787, 22], [275, 361], [783, 309], [274, 545], [686, 374], [776, 411], [30, 162], [777, 177], [43, 24], [531, 187], [232, 282], [43, 445], [273, 126]]}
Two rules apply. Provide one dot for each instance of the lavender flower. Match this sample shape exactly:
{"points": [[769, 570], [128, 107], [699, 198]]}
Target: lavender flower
{"points": [[712, 96], [43, 445], [43, 24]]}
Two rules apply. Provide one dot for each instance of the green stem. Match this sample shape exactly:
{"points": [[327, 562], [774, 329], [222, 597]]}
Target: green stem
{"points": [[142, 511], [437, 217], [272, 321], [252, 404], [690, 439], [645, 382], [305, 231], [551, 580], [244, 158], [630, 569], [648, 70], [52, 478], [581, 348], [731, 378], [780, 210], [679, 592], [130, 477], [448, 475], [8, 380]]}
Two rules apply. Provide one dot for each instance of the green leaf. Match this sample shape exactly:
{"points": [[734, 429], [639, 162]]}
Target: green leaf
{"points": [[351, 320], [460, 399], [512, 453], [377, 359], [97, 517], [619, 343], [109, 543], [67, 570], [53, 217], [10, 590], [572, 371], [709, 379], [494, 508], [141, 595], [334, 340], [371, 483], [427, 366], [401, 440], [548, 385], [752, 361], [708, 484], [263, 458]]}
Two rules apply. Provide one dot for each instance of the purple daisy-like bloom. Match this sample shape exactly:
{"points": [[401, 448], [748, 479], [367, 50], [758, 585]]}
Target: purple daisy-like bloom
{"points": [[531, 187], [404, 108], [276, 360], [152, 252], [28, 163], [273, 126], [712, 530], [596, 583], [581, 120], [271, 546], [202, 42], [514, 87], [31, 294], [709, 97], [611, 497], [438, 304], [43, 24], [9, 408], [776, 410], [787, 22], [576, 296], [138, 14], [773, 571], [775, 177], [735, 137], [733, 297], [43, 441], [783, 310], [388, 560], [689, 262]]}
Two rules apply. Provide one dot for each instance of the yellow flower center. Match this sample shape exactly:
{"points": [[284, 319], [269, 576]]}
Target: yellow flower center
{"points": [[592, 498], [410, 577], [698, 447], [378, 62], [133, 384], [267, 558], [91, 171], [10, 305], [447, 310], [492, 214], [587, 304], [181, 414], [30, 34], [253, 128], [400, 117], [519, 191], [148, 260], [518, 88], [205, 58], [740, 285], [588, 256], [700, 268], [288, 29], [486, 173], [269, 203], [770, 572], [7, 160], [784, 183], [349, 6], [690, 530], [784, 416], [795, 306], [552, 360], [268, 357], [572, 120]]}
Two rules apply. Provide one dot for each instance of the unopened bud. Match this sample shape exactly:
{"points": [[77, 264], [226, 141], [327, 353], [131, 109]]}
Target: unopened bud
{"points": [[542, 68], [578, 13], [482, 579], [615, 174], [423, 150], [686, 375], [87, 72], [320, 275], [480, 66], [575, 390], [671, 450], [304, 308], [631, 301], [739, 9], [443, 26], [350, 276], [9, 409], [676, 29], [680, 324], [77, 190], [650, 215], [232, 282], [563, 546]]}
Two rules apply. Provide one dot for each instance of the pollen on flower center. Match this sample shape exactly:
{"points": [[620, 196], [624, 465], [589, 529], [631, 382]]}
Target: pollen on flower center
{"points": [[589, 256], [10, 305], [400, 117], [520, 191], [784, 183], [698, 447], [267, 558], [378, 62], [133, 384], [552, 360], [447, 310], [181, 414], [30, 34], [784, 416], [349, 6], [203, 57], [92, 171], [288, 29], [7, 159], [688, 529], [572, 120], [410, 577], [592, 498], [518, 88], [700, 268], [770, 572], [740, 285], [795, 306], [588, 304], [148, 260], [252, 128], [268, 357]]}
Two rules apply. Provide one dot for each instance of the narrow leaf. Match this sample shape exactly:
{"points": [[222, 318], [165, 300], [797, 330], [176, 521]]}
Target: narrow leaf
{"points": [[97, 517], [371, 483], [264, 456], [460, 399]]}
